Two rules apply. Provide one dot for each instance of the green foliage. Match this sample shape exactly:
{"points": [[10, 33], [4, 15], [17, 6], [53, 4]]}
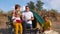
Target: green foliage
{"points": [[39, 5], [31, 5], [1, 11], [9, 12], [53, 11]]}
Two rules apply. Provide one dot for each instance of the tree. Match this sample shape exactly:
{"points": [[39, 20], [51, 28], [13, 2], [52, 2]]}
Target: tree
{"points": [[53, 11], [39, 5], [9, 12], [1, 11], [31, 5]]}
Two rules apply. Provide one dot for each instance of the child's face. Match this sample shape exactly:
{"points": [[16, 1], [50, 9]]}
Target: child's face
{"points": [[46, 19]]}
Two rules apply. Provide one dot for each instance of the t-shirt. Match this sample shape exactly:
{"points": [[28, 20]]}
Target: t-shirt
{"points": [[27, 15], [46, 25]]}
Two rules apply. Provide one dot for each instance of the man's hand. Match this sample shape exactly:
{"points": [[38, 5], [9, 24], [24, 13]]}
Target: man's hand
{"points": [[29, 20], [32, 18]]}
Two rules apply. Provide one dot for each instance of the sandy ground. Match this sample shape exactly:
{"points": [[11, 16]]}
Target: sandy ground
{"points": [[5, 30], [56, 26]]}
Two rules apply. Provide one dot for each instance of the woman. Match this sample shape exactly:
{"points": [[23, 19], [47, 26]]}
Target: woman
{"points": [[17, 22]]}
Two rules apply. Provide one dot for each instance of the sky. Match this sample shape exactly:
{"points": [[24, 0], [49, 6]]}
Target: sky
{"points": [[52, 4], [7, 5]]}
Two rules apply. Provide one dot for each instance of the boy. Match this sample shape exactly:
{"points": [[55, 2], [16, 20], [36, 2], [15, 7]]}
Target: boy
{"points": [[46, 25]]}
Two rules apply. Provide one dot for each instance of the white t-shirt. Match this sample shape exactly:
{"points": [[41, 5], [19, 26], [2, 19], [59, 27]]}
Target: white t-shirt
{"points": [[15, 18], [27, 16]]}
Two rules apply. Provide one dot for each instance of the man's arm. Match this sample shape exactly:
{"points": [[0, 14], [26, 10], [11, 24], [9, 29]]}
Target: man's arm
{"points": [[32, 17]]}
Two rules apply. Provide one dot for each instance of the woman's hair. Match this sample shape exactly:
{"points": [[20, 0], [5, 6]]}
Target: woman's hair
{"points": [[16, 6]]}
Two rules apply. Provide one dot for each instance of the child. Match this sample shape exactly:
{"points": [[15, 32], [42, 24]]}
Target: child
{"points": [[16, 19], [47, 24]]}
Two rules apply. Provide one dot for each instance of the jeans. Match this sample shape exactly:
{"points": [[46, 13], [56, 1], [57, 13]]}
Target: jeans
{"points": [[29, 26]]}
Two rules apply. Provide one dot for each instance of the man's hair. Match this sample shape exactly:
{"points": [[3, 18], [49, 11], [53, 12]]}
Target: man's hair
{"points": [[16, 6], [27, 6]]}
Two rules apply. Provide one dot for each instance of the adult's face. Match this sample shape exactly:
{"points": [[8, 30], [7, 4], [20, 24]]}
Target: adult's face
{"points": [[27, 9]]}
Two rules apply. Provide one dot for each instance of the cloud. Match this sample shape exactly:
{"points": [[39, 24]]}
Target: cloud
{"points": [[55, 4], [52, 4], [45, 1], [45, 7], [22, 8], [46, 4]]}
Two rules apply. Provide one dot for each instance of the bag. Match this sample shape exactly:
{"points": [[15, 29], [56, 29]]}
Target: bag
{"points": [[19, 21]]}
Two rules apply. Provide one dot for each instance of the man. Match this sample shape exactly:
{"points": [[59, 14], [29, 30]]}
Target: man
{"points": [[27, 16]]}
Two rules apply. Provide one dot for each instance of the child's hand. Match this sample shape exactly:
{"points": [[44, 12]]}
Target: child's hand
{"points": [[49, 28]]}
